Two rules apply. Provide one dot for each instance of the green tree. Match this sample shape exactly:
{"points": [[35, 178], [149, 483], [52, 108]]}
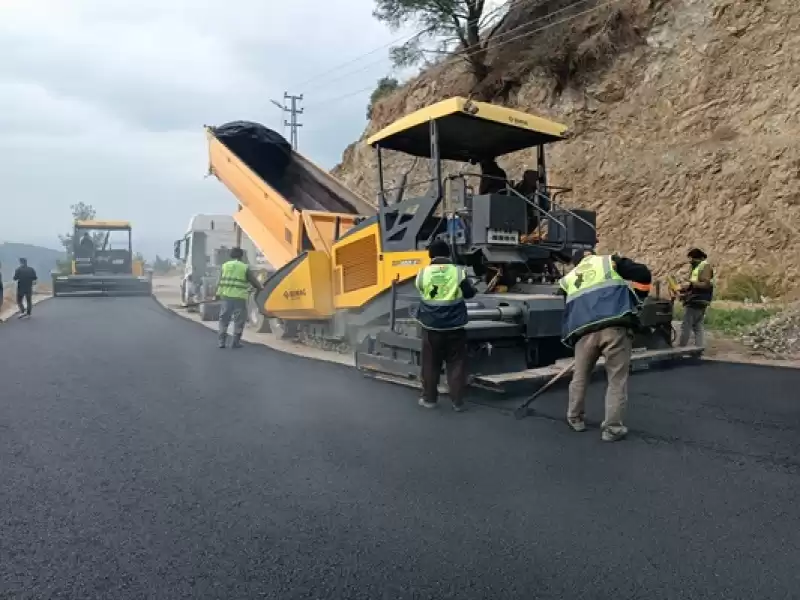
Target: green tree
{"points": [[80, 212], [442, 22], [386, 85]]}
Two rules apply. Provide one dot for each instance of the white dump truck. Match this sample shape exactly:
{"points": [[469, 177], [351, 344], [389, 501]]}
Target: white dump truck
{"points": [[202, 250]]}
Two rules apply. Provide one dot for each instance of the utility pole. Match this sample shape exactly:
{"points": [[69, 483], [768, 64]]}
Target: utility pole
{"points": [[293, 111]]}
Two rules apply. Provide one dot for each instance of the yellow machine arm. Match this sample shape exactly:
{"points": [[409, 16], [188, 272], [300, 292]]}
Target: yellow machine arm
{"points": [[279, 229]]}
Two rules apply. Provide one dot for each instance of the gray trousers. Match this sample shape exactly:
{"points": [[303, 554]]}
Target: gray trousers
{"points": [[615, 344], [693, 317], [236, 309]]}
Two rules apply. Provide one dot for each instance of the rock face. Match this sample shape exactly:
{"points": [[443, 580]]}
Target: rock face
{"points": [[686, 136]]}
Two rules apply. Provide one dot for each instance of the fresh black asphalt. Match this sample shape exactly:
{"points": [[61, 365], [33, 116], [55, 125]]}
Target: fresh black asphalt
{"points": [[137, 460]]}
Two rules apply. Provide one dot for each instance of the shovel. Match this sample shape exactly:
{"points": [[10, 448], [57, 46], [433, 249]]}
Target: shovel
{"points": [[522, 410]]}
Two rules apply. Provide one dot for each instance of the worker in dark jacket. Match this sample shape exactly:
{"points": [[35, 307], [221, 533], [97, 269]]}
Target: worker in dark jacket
{"points": [[599, 318], [443, 288], [233, 290], [493, 177], [25, 277]]}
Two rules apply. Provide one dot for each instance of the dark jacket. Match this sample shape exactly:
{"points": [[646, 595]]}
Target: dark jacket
{"points": [[612, 307], [630, 270], [446, 317], [634, 272], [25, 278]]}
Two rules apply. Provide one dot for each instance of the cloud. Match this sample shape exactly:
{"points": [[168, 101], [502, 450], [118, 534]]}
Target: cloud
{"points": [[103, 101]]}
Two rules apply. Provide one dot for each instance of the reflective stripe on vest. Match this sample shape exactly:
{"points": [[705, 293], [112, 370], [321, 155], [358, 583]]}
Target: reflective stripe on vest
{"points": [[233, 280], [597, 297], [440, 285], [593, 273], [695, 276], [700, 296]]}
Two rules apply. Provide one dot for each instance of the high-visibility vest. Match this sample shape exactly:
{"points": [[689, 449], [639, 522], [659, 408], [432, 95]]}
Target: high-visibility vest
{"points": [[597, 297], [233, 281], [442, 305], [699, 295]]}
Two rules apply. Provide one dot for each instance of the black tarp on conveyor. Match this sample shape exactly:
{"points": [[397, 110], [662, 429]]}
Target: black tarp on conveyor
{"points": [[269, 154]]}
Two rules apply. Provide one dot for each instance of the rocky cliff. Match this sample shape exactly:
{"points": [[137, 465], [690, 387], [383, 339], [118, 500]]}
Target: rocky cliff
{"points": [[685, 117]]}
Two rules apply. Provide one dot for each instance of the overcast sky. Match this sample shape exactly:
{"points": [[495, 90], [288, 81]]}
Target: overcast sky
{"points": [[104, 101]]}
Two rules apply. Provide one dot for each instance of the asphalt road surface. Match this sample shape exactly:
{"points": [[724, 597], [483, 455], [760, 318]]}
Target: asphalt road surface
{"points": [[137, 460]]}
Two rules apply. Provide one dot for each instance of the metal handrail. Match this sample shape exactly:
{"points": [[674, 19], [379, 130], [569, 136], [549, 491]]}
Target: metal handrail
{"points": [[538, 194]]}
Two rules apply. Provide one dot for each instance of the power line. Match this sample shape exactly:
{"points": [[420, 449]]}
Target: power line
{"points": [[494, 46], [405, 38], [465, 50], [360, 56], [293, 111], [344, 96]]}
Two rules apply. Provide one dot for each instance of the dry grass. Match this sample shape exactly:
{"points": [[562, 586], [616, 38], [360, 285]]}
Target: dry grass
{"points": [[748, 287]]}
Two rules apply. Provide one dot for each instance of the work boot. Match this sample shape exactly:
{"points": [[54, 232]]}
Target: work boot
{"points": [[460, 407], [576, 424], [425, 404], [615, 433], [236, 341], [221, 343]]}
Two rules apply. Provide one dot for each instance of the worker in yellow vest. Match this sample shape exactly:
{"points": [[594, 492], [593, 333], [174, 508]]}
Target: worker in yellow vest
{"points": [[599, 318], [233, 290], [443, 287], [696, 295]]}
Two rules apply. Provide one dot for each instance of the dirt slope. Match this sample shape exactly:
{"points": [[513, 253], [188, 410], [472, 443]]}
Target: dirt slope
{"points": [[685, 114]]}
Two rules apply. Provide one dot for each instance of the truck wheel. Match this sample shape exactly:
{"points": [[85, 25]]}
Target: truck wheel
{"points": [[255, 320]]}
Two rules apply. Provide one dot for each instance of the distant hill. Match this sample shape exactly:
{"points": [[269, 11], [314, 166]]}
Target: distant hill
{"points": [[44, 260]]}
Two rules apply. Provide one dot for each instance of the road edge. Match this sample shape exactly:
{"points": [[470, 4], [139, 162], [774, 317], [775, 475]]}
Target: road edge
{"points": [[37, 299], [267, 340]]}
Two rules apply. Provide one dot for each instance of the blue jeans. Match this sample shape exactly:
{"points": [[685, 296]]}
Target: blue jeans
{"points": [[232, 309]]}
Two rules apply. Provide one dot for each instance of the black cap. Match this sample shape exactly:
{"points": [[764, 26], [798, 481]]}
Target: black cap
{"points": [[237, 253], [439, 249], [697, 254]]}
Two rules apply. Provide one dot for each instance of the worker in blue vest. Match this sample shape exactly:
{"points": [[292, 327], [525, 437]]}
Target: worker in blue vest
{"points": [[696, 294], [443, 288], [599, 318], [233, 290]]}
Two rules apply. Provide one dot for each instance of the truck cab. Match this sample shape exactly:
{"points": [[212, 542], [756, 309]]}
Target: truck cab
{"points": [[202, 250]]}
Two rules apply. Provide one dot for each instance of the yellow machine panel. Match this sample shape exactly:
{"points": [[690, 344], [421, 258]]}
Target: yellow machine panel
{"points": [[361, 271], [275, 226], [279, 221], [356, 274], [399, 266], [305, 291], [276, 251]]}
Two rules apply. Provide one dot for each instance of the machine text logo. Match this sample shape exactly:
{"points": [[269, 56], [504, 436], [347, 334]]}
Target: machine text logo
{"points": [[294, 294], [408, 262]]}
